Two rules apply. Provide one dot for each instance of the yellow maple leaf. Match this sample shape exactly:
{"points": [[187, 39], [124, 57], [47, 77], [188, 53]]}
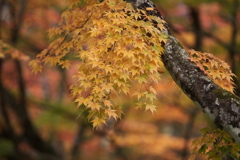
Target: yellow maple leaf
{"points": [[108, 103], [94, 106], [151, 107], [98, 122], [65, 64], [36, 67], [107, 87], [111, 113]]}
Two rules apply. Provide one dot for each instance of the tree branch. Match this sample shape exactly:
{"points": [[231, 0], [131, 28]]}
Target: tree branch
{"points": [[221, 106]]}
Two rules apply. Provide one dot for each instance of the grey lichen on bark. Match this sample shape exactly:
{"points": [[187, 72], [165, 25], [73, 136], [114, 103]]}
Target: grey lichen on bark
{"points": [[221, 106]]}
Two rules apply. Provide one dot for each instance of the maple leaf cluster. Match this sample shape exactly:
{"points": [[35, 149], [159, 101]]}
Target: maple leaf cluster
{"points": [[116, 45], [216, 69], [214, 144]]}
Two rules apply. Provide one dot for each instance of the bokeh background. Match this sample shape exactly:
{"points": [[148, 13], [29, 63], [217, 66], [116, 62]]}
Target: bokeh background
{"points": [[39, 121]]}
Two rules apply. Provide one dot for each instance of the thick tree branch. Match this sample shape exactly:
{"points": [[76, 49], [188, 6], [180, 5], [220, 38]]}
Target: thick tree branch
{"points": [[221, 106]]}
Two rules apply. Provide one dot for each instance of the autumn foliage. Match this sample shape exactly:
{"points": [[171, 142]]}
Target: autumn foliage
{"points": [[216, 69], [116, 46], [108, 54]]}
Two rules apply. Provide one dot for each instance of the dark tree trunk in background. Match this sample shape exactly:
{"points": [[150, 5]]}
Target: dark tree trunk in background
{"points": [[29, 133], [233, 42]]}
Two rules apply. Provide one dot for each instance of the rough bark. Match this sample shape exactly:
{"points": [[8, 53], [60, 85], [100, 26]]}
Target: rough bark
{"points": [[221, 106]]}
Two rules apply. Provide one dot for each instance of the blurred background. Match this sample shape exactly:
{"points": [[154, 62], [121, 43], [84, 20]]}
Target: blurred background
{"points": [[39, 121]]}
